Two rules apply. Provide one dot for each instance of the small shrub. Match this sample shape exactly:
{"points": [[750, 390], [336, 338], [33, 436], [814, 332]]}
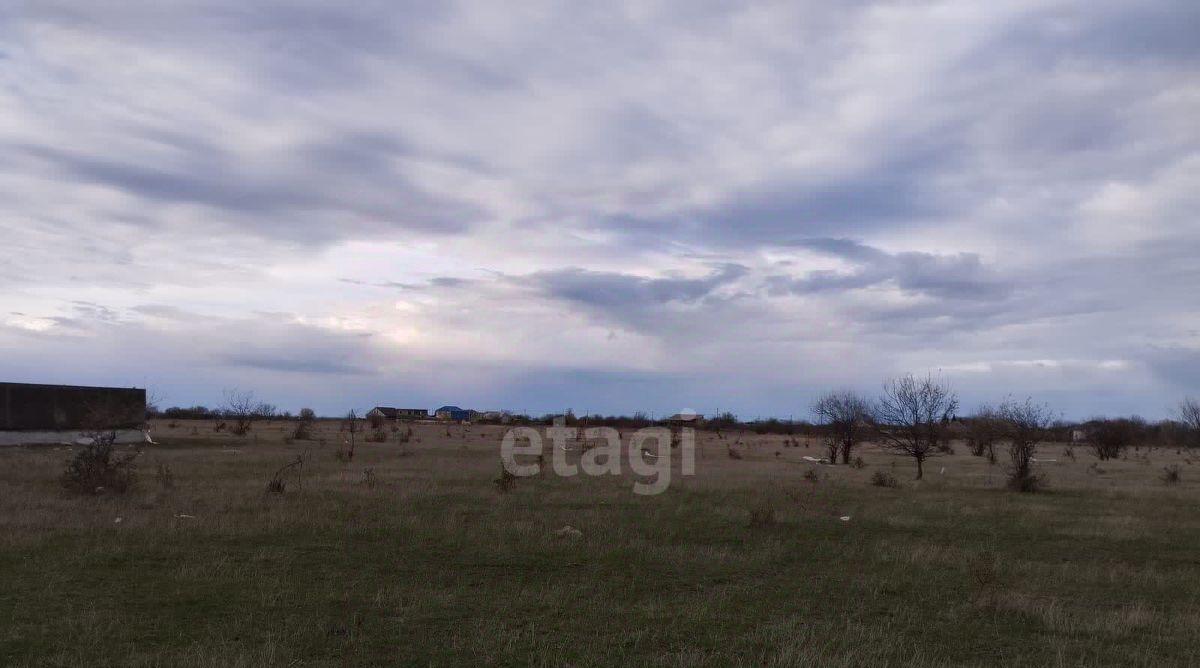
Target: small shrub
{"points": [[734, 454], [368, 478], [811, 475], [884, 479], [377, 436], [858, 463], [97, 469], [1171, 474], [277, 484], [302, 431]]}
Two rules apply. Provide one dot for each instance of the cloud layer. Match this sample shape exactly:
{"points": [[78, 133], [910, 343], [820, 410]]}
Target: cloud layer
{"points": [[640, 205]]}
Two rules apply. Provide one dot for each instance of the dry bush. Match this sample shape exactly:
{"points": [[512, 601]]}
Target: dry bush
{"points": [[858, 463], [377, 436], [278, 484], [1025, 424], [243, 410], [983, 430], [811, 475], [1172, 474], [884, 479], [96, 469], [1110, 438], [304, 425], [734, 454]]}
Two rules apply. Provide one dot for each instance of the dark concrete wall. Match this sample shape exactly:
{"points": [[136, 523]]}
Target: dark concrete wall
{"points": [[28, 406]]}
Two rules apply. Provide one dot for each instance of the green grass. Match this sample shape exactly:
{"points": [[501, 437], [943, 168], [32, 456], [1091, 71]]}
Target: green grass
{"points": [[431, 566]]}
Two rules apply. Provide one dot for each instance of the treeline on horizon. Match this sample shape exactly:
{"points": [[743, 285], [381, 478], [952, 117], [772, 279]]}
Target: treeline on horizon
{"points": [[1163, 433]]}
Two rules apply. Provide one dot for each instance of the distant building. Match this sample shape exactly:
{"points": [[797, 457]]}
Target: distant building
{"points": [[28, 406], [503, 417], [454, 413], [389, 413], [686, 419]]}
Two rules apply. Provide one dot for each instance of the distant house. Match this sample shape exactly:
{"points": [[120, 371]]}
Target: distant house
{"points": [[389, 413], [686, 419], [453, 413], [502, 417]]}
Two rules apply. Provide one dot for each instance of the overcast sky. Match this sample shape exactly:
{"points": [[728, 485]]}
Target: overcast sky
{"points": [[604, 206]]}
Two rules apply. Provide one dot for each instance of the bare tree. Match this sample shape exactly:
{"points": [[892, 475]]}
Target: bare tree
{"points": [[912, 415], [1025, 424], [1189, 415], [844, 414], [983, 430], [346, 453], [243, 409]]}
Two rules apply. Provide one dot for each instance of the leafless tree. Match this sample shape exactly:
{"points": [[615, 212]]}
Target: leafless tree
{"points": [[1189, 415], [1024, 424], [243, 409], [346, 453], [912, 415], [983, 430], [844, 414]]}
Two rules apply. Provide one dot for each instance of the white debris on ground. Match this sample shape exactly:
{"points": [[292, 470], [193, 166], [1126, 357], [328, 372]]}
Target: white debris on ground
{"points": [[181, 516], [815, 460], [118, 520], [568, 532], [845, 518]]}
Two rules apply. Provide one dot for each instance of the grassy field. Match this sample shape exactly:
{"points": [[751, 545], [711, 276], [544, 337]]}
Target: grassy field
{"points": [[409, 555]]}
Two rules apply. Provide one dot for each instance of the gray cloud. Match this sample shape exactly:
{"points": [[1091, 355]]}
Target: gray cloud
{"points": [[608, 290], [994, 183], [959, 276]]}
